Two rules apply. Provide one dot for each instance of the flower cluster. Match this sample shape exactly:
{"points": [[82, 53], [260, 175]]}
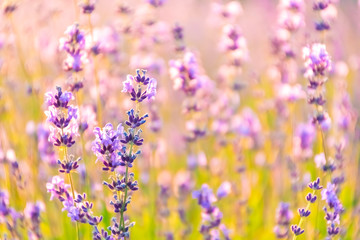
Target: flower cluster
{"points": [[185, 74], [32, 215], [74, 45], [317, 64], [305, 134], [235, 44], [333, 211], [63, 118], [9, 215], [134, 86], [88, 6], [211, 215], [46, 149], [64, 126], [156, 3], [305, 212], [79, 210], [107, 145], [290, 20], [283, 218], [116, 148], [178, 35], [291, 15], [327, 13]]}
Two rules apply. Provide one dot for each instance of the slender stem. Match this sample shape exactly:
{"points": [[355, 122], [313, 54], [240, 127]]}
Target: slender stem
{"points": [[72, 191], [323, 143], [73, 194], [302, 218], [72, 186], [316, 219], [122, 221]]}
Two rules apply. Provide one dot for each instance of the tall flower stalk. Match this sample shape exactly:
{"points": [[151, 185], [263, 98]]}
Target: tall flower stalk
{"points": [[116, 149], [305, 212], [63, 130]]}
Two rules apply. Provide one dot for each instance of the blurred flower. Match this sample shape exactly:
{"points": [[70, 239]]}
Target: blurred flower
{"points": [[32, 214], [329, 195], [63, 118], [87, 6], [57, 187], [320, 160], [224, 190], [133, 85], [290, 93], [107, 145], [74, 45], [204, 196], [317, 60], [156, 3], [235, 44]]}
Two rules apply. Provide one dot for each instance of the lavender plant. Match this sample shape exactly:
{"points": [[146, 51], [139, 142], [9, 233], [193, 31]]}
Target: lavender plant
{"points": [[117, 149], [211, 215], [305, 212], [63, 131], [230, 113]]}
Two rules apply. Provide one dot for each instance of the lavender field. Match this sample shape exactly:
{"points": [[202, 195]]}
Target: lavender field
{"points": [[179, 119]]}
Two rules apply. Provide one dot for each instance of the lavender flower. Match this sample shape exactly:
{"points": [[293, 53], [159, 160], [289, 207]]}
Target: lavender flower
{"points": [[305, 212], [211, 215], [204, 196], [333, 211], [32, 214], [317, 62], [283, 218], [329, 195], [63, 118], [79, 210], [88, 6], [297, 230], [224, 190], [46, 149], [133, 85], [10, 216], [117, 148], [235, 44], [107, 145], [156, 3], [303, 140], [185, 74], [315, 185], [74, 45]]}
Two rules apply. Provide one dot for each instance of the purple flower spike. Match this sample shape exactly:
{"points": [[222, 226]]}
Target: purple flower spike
{"points": [[128, 84], [151, 89], [224, 190], [317, 60], [329, 195], [204, 196], [107, 145], [135, 86]]}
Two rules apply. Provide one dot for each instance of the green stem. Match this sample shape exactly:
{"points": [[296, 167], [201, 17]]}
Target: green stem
{"points": [[122, 221], [73, 194]]}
